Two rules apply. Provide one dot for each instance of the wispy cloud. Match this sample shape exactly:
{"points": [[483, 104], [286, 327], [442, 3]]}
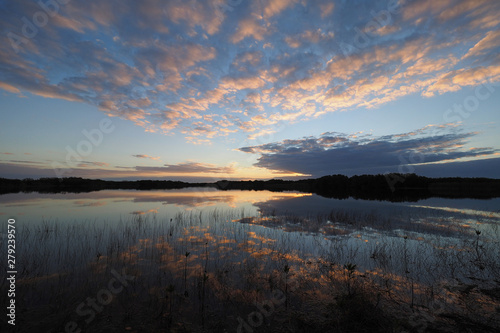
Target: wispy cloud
{"points": [[147, 157], [86, 164], [188, 167], [24, 162]]}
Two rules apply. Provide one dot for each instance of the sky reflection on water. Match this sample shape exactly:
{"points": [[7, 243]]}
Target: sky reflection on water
{"points": [[109, 204], [242, 240], [287, 211], [357, 222]]}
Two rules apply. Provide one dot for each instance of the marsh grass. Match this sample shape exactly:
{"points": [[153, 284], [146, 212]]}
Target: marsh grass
{"points": [[200, 272]]}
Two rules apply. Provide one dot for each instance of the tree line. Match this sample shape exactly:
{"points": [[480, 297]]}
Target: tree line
{"points": [[408, 187]]}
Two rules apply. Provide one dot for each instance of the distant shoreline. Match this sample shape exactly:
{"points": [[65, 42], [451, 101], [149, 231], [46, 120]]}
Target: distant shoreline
{"points": [[389, 187]]}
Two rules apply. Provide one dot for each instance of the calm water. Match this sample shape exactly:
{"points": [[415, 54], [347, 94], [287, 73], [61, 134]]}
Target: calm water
{"points": [[308, 219], [242, 241], [111, 206]]}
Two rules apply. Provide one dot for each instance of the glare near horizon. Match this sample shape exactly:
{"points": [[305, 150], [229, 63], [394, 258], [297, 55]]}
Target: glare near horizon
{"points": [[245, 89]]}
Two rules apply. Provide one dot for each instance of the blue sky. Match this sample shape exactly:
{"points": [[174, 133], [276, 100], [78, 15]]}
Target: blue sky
{"points": [[247, 89]]}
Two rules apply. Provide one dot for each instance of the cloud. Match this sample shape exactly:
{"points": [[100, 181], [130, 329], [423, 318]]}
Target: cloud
{"points": [[416, 9], [458, 9], [332, 153], [9, 88], [24, 162], [187, 168], [327, 9], [191, 170], [490, 41], [146, 156], [207, 14], [86, 164], [241, 83], [455, 80], [249, 27], [489, 168], [309, 37], [274, 7], [252, 58], [165, 65]]}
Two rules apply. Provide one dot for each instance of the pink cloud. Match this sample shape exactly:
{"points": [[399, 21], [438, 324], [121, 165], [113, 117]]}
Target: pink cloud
{"points": [[147, 157], [249, 28]]}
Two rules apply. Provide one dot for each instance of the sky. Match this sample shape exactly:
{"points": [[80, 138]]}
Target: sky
{"points": [[249, 89]]}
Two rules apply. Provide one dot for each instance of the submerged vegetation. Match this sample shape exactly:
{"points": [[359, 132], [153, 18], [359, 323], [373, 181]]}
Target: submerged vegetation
{"points": [[224, 272], [393, 187]]}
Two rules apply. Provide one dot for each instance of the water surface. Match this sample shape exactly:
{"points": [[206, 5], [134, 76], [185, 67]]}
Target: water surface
{"points": [[238, 242]]}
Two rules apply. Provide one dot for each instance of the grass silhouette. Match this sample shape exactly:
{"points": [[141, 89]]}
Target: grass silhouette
{"points": [[202, 272]]}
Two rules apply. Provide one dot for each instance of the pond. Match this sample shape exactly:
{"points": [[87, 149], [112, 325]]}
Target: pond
{"points": [[204, 259]]}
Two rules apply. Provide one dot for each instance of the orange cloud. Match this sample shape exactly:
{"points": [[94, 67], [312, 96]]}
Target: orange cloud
{"points": [[490, 41], [249, 28], [274, 7], [455, 80], [326, 9], [460, 8], [419, 8], [207, 14], [9, 88], [147, 156]]}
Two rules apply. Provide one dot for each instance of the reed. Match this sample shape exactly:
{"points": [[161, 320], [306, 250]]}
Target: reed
{"points": [[348, 282]]}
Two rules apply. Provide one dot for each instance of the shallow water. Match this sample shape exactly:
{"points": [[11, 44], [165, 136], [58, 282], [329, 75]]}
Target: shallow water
{"points": [[243, 240], [360, 225]]}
